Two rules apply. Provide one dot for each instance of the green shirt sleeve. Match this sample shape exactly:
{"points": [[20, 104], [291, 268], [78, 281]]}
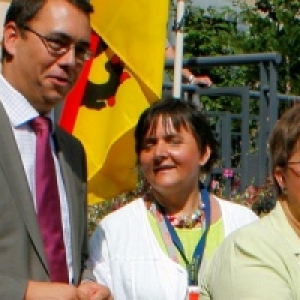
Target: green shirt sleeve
{"points": [[248, 266]]}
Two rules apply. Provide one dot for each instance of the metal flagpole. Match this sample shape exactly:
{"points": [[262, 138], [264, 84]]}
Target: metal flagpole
{"points": [[178, 28]]}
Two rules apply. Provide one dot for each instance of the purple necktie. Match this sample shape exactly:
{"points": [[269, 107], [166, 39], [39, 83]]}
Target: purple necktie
{"points": [[48, 203]]}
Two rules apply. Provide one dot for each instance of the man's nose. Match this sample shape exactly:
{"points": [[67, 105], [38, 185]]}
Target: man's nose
{"points": [[69, 58]]}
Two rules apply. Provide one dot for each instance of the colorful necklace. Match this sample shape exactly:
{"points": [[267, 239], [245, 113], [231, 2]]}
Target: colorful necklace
{"points": [[190, 221]]}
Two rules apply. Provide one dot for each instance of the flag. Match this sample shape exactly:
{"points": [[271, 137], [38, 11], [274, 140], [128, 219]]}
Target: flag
{"points": [[122, 80]]}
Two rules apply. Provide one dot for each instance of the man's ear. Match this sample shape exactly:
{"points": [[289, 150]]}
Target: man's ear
{"points": [[10, 36]]}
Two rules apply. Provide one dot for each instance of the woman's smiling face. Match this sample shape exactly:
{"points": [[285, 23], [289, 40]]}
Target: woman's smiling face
{"points": [[170, 158]]}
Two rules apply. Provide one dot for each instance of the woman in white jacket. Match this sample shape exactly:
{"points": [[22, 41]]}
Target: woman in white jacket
{"points": [[157, 246]]}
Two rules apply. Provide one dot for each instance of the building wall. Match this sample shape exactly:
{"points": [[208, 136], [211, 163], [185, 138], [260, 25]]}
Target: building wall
{"points": [[219, 3], [3, 7]]}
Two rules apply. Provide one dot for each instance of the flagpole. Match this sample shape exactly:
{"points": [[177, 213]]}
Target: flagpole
{"points": [[178, 28]]}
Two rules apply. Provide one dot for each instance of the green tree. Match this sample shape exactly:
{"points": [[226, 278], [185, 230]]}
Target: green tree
{"points": [[210, 33], [268, 26], [274, 26]]}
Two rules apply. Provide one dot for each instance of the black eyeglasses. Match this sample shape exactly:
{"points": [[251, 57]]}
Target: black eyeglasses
{"points": [[296, 169], [60, 45]]}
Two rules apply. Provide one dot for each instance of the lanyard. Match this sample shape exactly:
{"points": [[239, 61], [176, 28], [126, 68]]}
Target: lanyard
{"points": [[168, 231]]}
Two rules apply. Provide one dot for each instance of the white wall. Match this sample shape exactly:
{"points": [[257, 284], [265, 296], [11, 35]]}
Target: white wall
{"points": [[3, 8]]}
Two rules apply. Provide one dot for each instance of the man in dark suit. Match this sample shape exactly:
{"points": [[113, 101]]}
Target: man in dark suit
{"points": [[45, 44]]}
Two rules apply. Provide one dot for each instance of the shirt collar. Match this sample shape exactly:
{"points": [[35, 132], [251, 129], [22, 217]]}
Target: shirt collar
{"points": [[17, 107], [279, 220]]}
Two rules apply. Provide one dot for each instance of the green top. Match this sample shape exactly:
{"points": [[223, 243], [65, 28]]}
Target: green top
{"points": [[190, 237]]}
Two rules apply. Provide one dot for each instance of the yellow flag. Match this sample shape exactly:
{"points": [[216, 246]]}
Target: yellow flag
{"points": [[123, 79]]}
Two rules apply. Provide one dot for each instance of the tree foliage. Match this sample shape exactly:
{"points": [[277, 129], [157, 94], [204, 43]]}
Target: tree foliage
{"points": [[269, 26], [274, 26]]}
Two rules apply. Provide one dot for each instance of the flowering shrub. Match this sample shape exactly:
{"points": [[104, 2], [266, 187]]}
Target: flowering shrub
{"points": [[261, 199], [97, 211]]}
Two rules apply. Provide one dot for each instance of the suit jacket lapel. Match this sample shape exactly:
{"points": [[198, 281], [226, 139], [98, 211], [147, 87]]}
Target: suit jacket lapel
{"points": [[11, 165], [64, 155]]}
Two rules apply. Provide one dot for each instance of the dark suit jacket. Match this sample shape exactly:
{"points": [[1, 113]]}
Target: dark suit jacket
{"points": [[22, 257]]}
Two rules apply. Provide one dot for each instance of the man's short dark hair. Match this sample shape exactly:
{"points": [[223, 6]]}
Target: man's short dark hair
{"points": [[22, 11]]}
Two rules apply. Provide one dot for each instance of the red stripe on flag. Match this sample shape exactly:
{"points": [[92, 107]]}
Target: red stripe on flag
{"points": [[75, 96]]}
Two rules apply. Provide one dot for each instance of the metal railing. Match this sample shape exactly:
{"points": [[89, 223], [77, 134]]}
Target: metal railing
{"points": [[268, 108]]}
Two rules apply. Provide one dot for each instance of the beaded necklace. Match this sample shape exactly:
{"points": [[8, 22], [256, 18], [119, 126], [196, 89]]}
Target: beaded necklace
{"points": [[183, 221]]}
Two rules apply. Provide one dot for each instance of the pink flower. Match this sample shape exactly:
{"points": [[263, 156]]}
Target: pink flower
{"points": [[228, 173]]}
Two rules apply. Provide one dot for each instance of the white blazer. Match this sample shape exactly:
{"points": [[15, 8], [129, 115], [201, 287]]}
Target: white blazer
{"points": [[126, 256]]}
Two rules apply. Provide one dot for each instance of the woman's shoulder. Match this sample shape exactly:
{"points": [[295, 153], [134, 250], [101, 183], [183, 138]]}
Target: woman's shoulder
{"points": [[235, 207], [122, 220], [246, 238], [127, 213], [235, 215]]}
